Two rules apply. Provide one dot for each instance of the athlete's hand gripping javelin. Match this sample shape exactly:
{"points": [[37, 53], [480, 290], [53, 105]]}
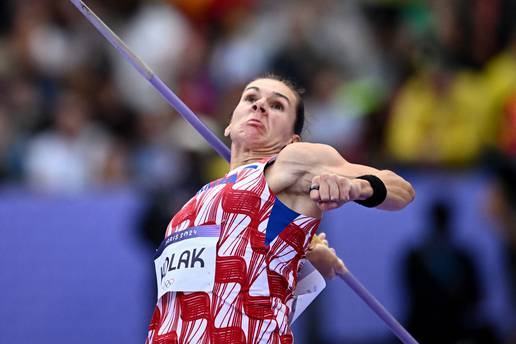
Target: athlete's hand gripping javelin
{"points": [[324, 258]]}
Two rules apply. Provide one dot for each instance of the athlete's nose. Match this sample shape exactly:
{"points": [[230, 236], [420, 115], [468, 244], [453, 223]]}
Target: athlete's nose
{"points": [[259, 104]]}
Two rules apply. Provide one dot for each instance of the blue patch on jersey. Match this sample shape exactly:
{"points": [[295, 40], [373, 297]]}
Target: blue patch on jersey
{"points": [[229, 179], [281, 216]]}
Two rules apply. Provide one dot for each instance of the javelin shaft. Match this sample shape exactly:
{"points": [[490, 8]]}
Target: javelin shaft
{"points": [[155, 81], [378, 308], [221, 148]]}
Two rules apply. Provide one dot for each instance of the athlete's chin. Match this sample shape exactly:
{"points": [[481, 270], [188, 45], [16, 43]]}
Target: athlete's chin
{"points": [[257, 140]]}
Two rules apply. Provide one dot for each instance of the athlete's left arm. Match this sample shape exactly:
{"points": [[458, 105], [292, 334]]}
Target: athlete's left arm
{"points": [[311, 163], [324, 258]]}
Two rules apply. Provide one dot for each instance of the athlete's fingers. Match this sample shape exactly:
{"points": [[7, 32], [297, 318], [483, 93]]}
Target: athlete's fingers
{"points": [[344, 188], [324, 189], [333, 187], [314, 189], [355, 189]]}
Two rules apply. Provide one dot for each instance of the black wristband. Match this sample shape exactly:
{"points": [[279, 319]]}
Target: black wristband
{"points": [[379, 191]]}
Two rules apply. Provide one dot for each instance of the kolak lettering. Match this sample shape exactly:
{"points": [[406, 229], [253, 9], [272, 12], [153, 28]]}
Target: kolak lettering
{"points": [[187, 259]]}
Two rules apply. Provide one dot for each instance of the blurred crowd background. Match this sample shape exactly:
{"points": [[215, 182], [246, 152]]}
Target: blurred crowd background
{"points": [[417, 86], [419, 83]]}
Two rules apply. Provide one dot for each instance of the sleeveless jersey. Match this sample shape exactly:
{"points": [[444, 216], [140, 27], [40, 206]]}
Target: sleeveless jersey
{"points": [[258, 252]]}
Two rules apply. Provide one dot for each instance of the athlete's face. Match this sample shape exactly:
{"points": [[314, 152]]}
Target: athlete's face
{"points": [[264, 117]]}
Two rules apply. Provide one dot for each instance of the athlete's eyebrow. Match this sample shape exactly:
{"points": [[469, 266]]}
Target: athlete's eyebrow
{"points": [[275, 93]]}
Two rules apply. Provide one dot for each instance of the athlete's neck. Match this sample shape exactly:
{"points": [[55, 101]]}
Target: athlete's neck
{"points": [[241, 156]]}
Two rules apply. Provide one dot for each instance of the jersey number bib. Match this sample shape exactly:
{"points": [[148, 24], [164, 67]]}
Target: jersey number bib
{"points": [[186, 260]]}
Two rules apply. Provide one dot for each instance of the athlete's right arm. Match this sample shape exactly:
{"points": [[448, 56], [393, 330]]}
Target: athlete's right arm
{"points": [[302, 165]]}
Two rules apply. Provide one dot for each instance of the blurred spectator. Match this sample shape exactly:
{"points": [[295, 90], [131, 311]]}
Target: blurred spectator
{"points": [[243, 51], [441, 117], [449, 111], [113, 114], [470, 32], [69, 156], [194, 84], [443, 287], [158, 34], [446, 116], [114, 170], [157, 163], [336, 121]]}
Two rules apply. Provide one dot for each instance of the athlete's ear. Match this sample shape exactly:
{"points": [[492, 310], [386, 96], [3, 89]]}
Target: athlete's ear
{"points": [[295, 138], [227, 130]]}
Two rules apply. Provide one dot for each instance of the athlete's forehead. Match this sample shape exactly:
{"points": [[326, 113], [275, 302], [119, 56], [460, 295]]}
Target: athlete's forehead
{"points": [[271, 87]]}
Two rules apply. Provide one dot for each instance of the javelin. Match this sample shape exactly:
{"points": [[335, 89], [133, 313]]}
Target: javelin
{"points": [[223, 150]]}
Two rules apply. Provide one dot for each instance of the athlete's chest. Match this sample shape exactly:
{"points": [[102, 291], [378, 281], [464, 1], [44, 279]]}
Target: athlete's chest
{"points": [[244, 192]]}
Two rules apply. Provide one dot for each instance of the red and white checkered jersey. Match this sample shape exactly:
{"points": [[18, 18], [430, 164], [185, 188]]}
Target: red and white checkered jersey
{"points": [[258, 252]]}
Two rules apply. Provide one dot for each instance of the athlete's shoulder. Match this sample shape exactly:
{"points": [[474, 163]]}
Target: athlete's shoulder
{"points": [[289, 165], [307, 153]]}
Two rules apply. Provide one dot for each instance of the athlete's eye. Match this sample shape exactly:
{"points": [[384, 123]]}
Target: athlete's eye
{"points": [[250, 98], [277, 106]]}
